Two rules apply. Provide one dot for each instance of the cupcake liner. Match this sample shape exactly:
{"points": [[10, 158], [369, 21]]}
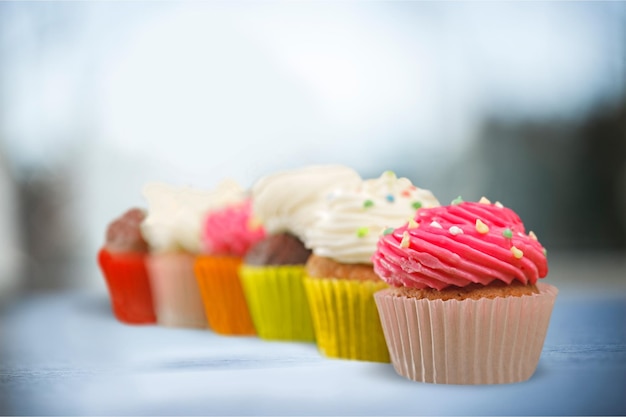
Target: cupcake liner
{"points": [[175, 290], [129, 286], [224, 302], [486, 341], [278, 302], [345, 318]]}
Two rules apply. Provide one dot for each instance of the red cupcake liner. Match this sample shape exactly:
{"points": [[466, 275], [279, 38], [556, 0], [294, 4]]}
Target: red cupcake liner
{"points": [[127, 279]]}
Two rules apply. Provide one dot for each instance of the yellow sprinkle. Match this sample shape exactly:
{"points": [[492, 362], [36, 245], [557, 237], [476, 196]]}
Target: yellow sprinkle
{"points": [[532, 235], [484, 200], [499, 204], [253, 223], [516, 252], [481, 227], [413, 224], [405, 240]]}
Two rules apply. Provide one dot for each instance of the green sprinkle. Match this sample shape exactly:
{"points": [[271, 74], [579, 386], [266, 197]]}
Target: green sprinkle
{"points": [[507, 233], [416, 205], [362, 231], [368, 203], [545, 252], [390, 173], [457, 200], [388, 231]]}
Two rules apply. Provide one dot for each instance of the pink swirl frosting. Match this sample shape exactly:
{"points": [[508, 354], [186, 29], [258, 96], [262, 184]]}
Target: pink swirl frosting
{"points": [[231, 230], [460, 244]]}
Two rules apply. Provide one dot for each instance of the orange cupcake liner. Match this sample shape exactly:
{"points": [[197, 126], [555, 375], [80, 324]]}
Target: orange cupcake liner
{"points": [[127, 280], [222, 295]]}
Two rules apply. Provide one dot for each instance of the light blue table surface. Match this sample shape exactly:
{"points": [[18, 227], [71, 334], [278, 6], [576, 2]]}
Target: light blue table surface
{"points": [[64, 353]]}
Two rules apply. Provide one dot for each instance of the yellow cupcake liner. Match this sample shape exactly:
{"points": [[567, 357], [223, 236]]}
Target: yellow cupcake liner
{"points": [[345, 318], [278, 302]]}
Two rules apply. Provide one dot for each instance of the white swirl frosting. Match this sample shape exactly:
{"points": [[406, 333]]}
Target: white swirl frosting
{"points": [[289, 201], [354, 218], [175, 214]]}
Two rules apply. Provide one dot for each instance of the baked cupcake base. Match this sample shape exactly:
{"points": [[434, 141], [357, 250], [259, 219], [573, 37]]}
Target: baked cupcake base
{"points": [[470, 341]]}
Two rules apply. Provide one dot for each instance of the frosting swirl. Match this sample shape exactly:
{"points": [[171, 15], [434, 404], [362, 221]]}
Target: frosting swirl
{"points": [[352, 220], [460, 244], [289, 201], [175, 214], [230, 230]]}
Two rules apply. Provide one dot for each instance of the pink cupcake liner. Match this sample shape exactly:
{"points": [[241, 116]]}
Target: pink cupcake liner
{"points": [[175, 291], [486, 341]]}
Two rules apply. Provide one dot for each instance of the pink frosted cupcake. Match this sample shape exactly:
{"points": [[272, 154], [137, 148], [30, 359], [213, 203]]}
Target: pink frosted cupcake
{"points": [[465, 306], [227, 234]]}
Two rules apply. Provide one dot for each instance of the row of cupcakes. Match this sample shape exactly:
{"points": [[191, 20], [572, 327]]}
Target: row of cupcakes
{"points": [[308, 255]]}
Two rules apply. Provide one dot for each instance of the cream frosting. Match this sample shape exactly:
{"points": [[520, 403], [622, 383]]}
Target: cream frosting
{"points": [[175, 214], [289, 201], [354, 218]]}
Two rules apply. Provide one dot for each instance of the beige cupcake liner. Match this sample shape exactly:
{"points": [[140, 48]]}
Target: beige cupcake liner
{"points": [[486, 341], [177, 300]]}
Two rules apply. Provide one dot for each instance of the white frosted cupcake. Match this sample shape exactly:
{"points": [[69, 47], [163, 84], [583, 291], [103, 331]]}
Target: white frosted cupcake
{"points": [[172, 229], [340, 279], [287, 204]]}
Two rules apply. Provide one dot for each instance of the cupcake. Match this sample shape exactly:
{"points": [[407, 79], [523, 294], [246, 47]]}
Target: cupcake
{"points": [[227, 234], [286, 203], [122, 260], [464, 306], [172, 229], [340, 279]]}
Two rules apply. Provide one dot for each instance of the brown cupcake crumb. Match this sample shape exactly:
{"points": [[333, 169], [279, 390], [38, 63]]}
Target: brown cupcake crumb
{"points": [[472, 291], [278, 249], [124, 233], [320, 267]]}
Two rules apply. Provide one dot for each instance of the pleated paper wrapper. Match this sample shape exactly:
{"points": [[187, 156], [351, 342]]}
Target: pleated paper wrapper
{"points": [[224, 301], [345, 318], [486, 341], [175, 290], [277, 302], [129, 286]]}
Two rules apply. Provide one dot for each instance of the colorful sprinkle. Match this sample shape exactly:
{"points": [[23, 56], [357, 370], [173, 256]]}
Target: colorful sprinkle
{"points": [[390, 173], [457, 200], [455, 230], [507, 233], [545, 252], [481, 227], [499, 204], [435, 224], [390, 198], [253, 223], [405, 193], [516, 252], [368, 204], [484, 200], [388, 231], [416, 205], [532, 235], [362, 231], [405, 240], [413, 224]]}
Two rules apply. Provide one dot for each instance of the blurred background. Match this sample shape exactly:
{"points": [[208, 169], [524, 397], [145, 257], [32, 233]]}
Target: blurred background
{"points": [[523, 102]]}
